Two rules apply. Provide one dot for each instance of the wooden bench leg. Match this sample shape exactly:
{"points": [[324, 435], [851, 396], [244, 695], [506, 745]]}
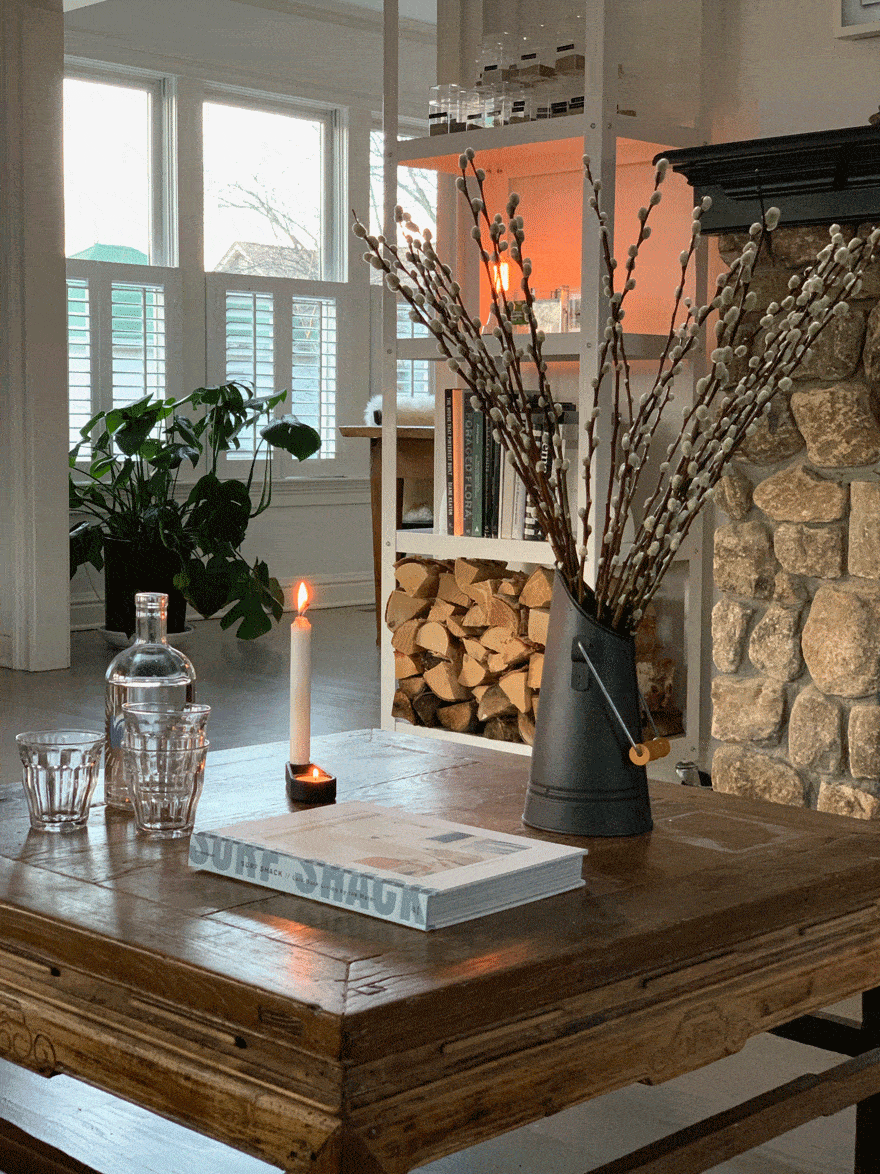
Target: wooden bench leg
{"points": [[867, 1156], [22, 1154], [725, 1135]]}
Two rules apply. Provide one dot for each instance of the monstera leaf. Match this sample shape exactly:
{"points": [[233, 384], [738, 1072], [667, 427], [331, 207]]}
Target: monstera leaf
{"points": [[86, 546], [219, 512], [256, 594], [205, 585], [293, 436]]}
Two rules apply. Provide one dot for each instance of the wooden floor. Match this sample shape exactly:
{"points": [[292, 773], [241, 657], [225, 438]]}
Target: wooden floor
{"points": [[247, 686]]}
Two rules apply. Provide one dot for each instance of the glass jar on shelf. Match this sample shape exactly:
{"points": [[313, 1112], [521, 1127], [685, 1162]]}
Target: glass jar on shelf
{"points": [[574, 310], [438, 113], [443, 108], [455, 103], [517, 104], [472, 110]]}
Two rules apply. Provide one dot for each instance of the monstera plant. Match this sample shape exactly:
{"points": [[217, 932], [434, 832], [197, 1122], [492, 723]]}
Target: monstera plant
{"points": [[152, 530]]}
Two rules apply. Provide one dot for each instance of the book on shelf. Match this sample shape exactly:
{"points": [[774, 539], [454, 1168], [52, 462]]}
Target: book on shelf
{"points": [[478, 439], [468, 479], [450, 460], [415, 870], [457, 397], [484, 496]]}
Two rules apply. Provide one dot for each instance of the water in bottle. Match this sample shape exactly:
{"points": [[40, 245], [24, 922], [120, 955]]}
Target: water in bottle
{"points": [[150, 670]]}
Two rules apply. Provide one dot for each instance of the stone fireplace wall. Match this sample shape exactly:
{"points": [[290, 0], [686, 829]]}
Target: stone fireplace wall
{"points": [[796, 625]]}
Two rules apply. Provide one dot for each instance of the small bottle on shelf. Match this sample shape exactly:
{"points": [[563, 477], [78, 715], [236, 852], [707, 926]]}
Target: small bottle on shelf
{"points": [[454, 101], [438, 115], [517, 104], [149, 670], [472, 109]]}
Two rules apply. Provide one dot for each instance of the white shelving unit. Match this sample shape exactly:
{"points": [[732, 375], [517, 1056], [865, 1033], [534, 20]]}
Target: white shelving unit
{"points": [[612, 141]]}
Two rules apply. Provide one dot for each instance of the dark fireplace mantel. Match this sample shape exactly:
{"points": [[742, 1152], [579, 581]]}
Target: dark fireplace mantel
{"points": [[812, 178]]}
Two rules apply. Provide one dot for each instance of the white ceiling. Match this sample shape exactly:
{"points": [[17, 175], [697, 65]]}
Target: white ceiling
{"points": [[423, 10]]}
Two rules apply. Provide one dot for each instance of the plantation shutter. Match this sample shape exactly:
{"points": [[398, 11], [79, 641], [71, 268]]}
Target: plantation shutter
{"points": [[79, 358], [313, 367], [138, 341]]}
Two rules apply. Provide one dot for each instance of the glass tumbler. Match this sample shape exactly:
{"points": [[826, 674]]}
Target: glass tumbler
{"points": [[150, 725], [59, 772], [166, 783]]}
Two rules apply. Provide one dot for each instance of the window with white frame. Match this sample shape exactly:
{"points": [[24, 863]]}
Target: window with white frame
{"points": [[269, 233], [109, 188], [269, 218], [417, 191], [119, 292]]}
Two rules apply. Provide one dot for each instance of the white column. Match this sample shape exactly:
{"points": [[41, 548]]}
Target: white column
{"points": [[34, 561]]}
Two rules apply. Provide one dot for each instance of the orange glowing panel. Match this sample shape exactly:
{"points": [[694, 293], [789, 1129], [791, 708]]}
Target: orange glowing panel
{"points": [[302, 597]]}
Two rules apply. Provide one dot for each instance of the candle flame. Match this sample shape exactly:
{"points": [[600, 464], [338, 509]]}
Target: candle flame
{"points": [[302, 598], [501, 277], [316, 774]]}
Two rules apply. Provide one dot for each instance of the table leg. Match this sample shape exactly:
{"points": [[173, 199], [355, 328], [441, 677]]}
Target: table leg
{"points": [[345, 1153], [22, 1154], [867, 1158]]}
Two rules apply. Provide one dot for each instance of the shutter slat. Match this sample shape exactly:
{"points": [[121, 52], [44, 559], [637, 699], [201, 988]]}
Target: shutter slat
{"points": [[250, 351], [313, 383], [137, 317], [79, 361]]}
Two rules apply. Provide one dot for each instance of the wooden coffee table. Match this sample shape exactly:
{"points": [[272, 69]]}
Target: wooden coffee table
{"points": [[326, 1041]]}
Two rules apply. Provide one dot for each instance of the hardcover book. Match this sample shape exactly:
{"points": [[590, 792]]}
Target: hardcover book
{"points": [[457, 397], [415, 870], [468, 464], [450, 461]]}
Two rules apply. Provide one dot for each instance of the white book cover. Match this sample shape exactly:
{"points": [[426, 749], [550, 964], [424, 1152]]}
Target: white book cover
{"points": [[416, 870], [508, 491]]}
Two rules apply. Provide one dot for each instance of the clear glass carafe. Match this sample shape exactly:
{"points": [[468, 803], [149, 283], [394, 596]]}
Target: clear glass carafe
{"points": [[149, 670]]}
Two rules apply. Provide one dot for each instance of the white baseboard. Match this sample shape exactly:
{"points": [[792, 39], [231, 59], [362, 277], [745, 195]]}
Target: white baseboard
{"points": [[349, 590]]}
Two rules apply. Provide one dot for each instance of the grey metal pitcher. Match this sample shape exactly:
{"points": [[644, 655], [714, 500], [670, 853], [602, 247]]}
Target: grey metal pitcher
{"points": [[582, 781]]}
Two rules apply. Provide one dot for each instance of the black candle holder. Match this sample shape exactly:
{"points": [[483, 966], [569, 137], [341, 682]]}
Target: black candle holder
{"points": [[303, 787]]}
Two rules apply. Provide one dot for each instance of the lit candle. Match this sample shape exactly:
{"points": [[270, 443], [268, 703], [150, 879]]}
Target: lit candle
{"points": [[311, 785], [300, 681]]}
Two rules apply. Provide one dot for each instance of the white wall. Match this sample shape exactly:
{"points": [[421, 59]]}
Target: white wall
{"points": [[319, 530], [779, 69], [34, 631], [327, 52]]}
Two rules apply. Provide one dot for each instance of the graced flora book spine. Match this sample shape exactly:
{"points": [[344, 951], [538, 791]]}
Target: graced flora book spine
{"points": [[334, 884]]}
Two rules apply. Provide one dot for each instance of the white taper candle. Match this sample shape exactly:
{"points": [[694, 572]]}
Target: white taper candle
{"points": [[300, 683]]}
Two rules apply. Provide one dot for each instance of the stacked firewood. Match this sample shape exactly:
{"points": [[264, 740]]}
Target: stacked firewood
{"points": [[468, 640]]}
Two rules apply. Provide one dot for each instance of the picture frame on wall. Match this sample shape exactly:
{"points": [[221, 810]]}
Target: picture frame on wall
{"points": [[856, 18]]}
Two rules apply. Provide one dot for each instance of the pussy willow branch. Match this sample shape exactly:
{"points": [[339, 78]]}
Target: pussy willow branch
{"points": [[726, 408], [552, 490], [789, 332]]}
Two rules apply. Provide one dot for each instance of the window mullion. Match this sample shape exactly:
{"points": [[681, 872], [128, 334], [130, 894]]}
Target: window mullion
{"points": [[190, 247], [284, 366], [164, 173], [100, 283], [333, 197]]}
